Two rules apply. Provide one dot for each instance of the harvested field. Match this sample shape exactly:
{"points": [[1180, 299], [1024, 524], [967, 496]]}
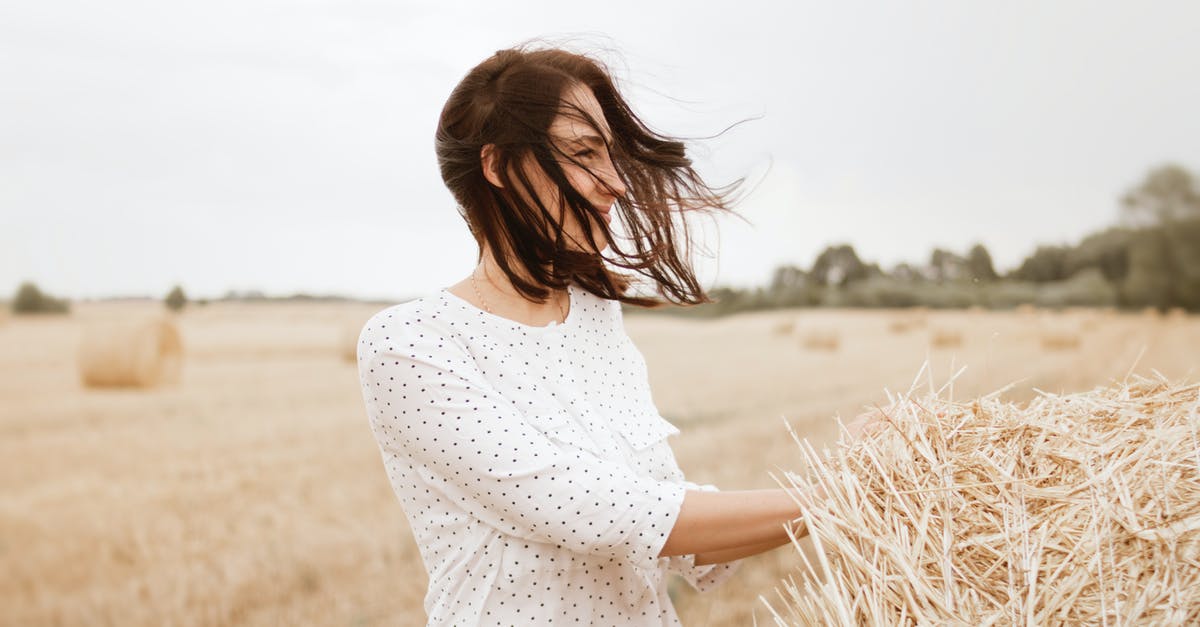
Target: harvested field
{"points": [[252, 493]]}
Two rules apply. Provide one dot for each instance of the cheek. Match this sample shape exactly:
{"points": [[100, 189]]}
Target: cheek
{"points": [[580, 180]]}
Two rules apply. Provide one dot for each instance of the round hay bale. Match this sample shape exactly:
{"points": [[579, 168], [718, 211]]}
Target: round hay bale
{"points": [[821, 340], [785, 327], [143, 352], [1176, 314], [1026, 309], [1079, 509], [945, 337]]}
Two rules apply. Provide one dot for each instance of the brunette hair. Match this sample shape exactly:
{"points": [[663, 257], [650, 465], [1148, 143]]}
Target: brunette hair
{"points": [[509, 101]]}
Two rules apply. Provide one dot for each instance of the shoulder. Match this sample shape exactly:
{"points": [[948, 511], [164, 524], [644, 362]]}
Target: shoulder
{"points": [[422, 323]]}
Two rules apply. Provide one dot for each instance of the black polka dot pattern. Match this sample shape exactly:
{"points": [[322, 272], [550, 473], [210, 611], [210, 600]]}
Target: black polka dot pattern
{"points": [[531, 462]]}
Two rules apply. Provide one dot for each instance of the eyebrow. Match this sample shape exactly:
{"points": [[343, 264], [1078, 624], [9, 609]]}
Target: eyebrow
{"points": [[589, 139]]}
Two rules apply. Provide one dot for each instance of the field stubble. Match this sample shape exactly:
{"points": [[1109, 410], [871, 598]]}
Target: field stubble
{"points": [[252, 492]]}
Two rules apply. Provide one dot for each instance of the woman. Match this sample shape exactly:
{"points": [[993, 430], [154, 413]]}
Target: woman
{"points": [[513, 413]]}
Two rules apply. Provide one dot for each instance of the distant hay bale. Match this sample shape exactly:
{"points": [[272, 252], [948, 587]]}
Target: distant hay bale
{"points": [[1079, 509], [907, 321], [1151, 313], [1059, 337], [1026, 309], [821, 340], [785, 327], [142, 352], [945, 337], [1176, 314]]}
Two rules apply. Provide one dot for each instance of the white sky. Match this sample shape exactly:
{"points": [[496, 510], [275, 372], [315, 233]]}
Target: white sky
{"points": [[287, 146]]}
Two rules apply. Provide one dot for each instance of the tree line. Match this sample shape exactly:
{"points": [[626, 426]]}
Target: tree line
{"points": [[1149, 258]]}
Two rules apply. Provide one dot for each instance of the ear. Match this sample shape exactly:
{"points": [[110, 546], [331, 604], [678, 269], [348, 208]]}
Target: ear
{"points": [[487, 159]]}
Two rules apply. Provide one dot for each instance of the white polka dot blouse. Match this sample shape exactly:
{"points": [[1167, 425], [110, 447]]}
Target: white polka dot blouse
{"points": [[531, 462]]}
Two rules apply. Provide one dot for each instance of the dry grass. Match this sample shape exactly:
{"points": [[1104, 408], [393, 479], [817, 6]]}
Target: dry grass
{"points": [[139, 352], [1073, 509], [252, 493], [907, 321]]}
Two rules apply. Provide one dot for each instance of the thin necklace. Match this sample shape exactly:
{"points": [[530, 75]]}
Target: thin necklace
{"points": [[484, 300]]}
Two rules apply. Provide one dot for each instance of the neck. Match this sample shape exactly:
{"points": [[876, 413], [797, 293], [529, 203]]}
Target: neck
{"points": [[500, 294]]}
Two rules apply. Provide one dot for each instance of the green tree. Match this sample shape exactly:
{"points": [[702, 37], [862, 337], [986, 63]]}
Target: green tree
{"points": [[1148, 283], [1108, 251], [837, 266], [979, 264], [788, 278], [175, 299], [791, 287], [1167, 194], [905, 272], [1183, 250], [30, 299], [946, 266], [1047, 263]]}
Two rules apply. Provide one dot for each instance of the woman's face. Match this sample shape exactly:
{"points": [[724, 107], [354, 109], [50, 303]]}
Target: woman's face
{"points": [[582, 144]]}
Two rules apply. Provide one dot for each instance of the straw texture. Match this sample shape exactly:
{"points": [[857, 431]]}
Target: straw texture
{"points": [[1072, 509], [130, 353]]}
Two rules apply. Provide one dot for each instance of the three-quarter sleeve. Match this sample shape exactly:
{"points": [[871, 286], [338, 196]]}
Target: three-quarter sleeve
{"points": [[431, 406], [704, 577]]}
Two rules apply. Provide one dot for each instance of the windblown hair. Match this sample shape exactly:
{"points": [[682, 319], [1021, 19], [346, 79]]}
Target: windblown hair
{"points": [[510, 101]]}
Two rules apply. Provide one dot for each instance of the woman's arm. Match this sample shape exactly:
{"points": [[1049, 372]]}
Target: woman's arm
{"points": [[729, 555], [721, 524]]}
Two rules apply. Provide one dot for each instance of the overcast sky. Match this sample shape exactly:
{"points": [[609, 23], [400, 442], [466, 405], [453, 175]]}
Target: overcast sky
{"points": [[287, 146]]}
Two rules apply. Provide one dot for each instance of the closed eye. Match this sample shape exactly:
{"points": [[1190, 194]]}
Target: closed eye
{"points": [[585, 153]]}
